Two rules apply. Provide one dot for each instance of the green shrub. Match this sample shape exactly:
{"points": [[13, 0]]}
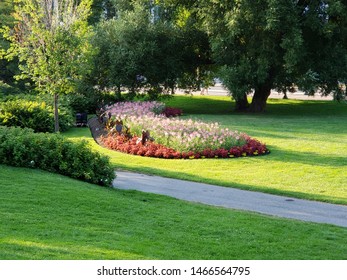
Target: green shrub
{"points": [[33, 112], [89, 99], [52, 152], [6, 89]]}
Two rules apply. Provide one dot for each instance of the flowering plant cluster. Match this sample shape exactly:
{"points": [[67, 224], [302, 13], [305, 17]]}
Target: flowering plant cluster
{"points": [[175, 138], [120, 143], [185, 135], [145, 108], [121, 110]]}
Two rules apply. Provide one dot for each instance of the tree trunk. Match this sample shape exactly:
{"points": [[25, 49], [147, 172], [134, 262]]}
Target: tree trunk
{"points": [[260, 97], [285, 96], [241, 103], [118, 93], [56, 113]]}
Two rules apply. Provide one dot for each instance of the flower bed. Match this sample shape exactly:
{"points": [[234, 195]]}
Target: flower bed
{"points": [[172, 137], [120, 143], [185, 135]]}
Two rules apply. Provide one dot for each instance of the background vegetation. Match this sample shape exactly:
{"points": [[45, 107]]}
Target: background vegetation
{"points": [[154, 47], [35, 112]]}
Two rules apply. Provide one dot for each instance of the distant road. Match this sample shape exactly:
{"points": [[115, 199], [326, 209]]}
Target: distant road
{"points": [[219, 90]]}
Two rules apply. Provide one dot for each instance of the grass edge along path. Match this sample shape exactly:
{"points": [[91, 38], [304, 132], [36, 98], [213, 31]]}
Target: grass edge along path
{"points": [[307, 140], [49, 216]]}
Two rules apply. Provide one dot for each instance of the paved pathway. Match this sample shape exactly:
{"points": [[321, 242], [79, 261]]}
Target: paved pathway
{"points": [[273, 205]]}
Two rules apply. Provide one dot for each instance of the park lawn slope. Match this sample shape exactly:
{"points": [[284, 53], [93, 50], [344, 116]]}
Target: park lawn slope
{"points": [[49, 216], [307, 140]]}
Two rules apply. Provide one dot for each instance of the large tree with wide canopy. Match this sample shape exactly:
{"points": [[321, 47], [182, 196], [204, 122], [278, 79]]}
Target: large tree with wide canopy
{"points": [[277, 44]]}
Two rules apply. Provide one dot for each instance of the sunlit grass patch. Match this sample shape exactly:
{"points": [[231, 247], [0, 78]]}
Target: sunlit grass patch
{"points": [[49, 216]]}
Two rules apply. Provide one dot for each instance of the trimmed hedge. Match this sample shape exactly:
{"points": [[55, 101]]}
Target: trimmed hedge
{"points": [[52, 152], [35, 114]]}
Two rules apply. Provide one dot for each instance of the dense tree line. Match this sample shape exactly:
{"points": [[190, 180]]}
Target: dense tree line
{"points": [[155, 46], [147, 47]]}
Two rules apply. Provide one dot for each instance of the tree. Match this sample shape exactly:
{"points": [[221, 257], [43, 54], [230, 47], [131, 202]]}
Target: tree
{"points": [[8, 69], [101, 9], [265, 44], [51, 40], [148, 46]]}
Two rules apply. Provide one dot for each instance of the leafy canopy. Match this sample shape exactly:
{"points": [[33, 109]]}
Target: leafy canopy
{"points": [[261, 45], [51, 39], [150, 47]]}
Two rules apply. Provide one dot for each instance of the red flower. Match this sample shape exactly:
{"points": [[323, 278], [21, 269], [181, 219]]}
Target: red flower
{"points": [[142, 151], [172, 112], [222, 153], [120, 143]]}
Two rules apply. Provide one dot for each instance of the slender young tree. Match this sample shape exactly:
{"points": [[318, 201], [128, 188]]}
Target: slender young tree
{"points": [[51, 39]]}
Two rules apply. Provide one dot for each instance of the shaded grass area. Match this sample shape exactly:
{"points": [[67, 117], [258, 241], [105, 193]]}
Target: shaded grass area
{"points": [[222, 105], [201, 104], [48, 216], [307, 139]]}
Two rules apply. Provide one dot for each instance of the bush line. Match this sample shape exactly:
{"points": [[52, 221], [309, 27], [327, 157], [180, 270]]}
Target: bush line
{"points": [[52, 152]]}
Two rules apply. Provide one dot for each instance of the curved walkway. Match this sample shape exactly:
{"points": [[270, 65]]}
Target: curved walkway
{"points": [[268, 204]]}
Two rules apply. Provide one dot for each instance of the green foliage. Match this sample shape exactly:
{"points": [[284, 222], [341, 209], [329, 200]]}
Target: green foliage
{"points": [[139, 50], [8, 69], [52, 152], [277, 44], [52, 52], [34, 113], [101, 9], [52, 43], [88, 99], [6, 89], [6, 8]]}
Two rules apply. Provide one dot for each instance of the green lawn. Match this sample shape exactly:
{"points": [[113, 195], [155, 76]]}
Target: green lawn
{"points": [[48, 216], [307, 139]]}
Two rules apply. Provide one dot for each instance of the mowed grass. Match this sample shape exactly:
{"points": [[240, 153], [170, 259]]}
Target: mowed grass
{"points": [[48, 216], [307, 140]]}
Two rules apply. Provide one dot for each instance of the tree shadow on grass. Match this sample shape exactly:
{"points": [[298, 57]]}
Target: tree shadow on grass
{"points": [[307, 108], [202, 105], [309, 158], [275, 107]]}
